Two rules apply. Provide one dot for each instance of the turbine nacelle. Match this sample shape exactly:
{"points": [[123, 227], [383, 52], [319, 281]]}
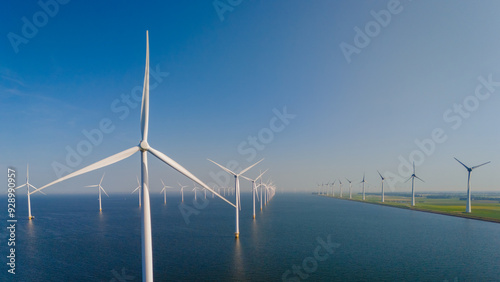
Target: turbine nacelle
{"points": [[144, 146]]}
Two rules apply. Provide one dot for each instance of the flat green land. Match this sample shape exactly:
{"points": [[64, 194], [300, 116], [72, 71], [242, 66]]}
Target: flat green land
{"points": [[487, 210]]}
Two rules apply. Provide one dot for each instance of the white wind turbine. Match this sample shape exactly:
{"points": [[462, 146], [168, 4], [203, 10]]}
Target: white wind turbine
{"points": [[144, 148], [254, 188], [469, 170], [383, 178], [412, 177], [138, 188], [182, 191], [194, 189], [333, 187], [350, 186], [340, 184], [237, 192], [99, 188], [164, 190], [363, 181], [28, 185]]}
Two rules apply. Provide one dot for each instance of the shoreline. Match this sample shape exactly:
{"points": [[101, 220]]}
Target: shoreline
{"points": [[494, 220]]}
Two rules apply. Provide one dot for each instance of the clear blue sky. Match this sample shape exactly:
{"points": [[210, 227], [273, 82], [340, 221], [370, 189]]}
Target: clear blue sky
{"points": [[225, 77]]}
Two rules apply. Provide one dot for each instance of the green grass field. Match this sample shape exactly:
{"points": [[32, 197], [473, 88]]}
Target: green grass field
{"points": [[481, 209]]}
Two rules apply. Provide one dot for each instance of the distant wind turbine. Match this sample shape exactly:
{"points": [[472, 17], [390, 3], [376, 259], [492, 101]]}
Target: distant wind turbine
{"points": [[138, 188], [144, 148], [99, 188], [363, 181], [254, 188], [182, 191], [236, 191], [412, 177], [469, 169], [28, 185], [383, 178], [164, 190], [350, 186], [340, 184]]}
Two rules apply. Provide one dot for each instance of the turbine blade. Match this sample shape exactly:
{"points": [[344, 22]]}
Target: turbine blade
{"points": [[419, 178], [162, 190], [246, 178], [225, 169], [413, 167], [102, 178], [107, 161], [135, 189], [408, 179], [145, 96], [92, 185], [348, 180], [261, 174], [162, 182], [248, 168], [184, 171], [21, 186], [42, 193], [100, 187], [480, 165], [461, 163], [380, 175]]}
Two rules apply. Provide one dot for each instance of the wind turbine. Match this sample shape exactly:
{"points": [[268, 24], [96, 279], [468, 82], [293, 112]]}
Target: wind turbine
{"points": [[144, 148], [182, 191], [194, 189], [363, 181], [28, 185], [333, 187], [469, 169], [100, 188], [412, 177], [350, 186], [383, 178], [138, 188], [254, 188], [237, 192], [340, 184], [164, 190]]}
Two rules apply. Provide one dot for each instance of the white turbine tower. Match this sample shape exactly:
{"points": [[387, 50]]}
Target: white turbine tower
{"points": [[469, 169], [237, 192], [333, 187], [412, 177], [99, 188], [363, 181], [254, 188], [383, 178], [144, 148], [138, 188], [350, 186], [182, 191], [164, 190], [28, 185], [340, 184]]}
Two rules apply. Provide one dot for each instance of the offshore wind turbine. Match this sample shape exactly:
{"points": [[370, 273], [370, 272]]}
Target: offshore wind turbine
{"points": [[138, 188], [340, 184], [237, 192], [469, 170], [412, 177], [143, 148], [350, 186], [383, 178], [28, 185], [164, 190], [99, 188], [333, 187], [363, 181], [254, 188], [182, 191]]}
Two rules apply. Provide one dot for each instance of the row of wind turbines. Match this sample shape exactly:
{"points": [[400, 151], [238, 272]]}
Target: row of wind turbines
{"points": [[323, 191], [144, 148]]}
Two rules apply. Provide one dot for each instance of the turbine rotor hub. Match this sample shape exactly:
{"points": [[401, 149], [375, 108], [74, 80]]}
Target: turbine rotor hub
{"points": [[144, 146]]}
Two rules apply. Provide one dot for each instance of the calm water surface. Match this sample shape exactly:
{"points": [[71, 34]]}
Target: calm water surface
{"points": [[69, 240]]}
